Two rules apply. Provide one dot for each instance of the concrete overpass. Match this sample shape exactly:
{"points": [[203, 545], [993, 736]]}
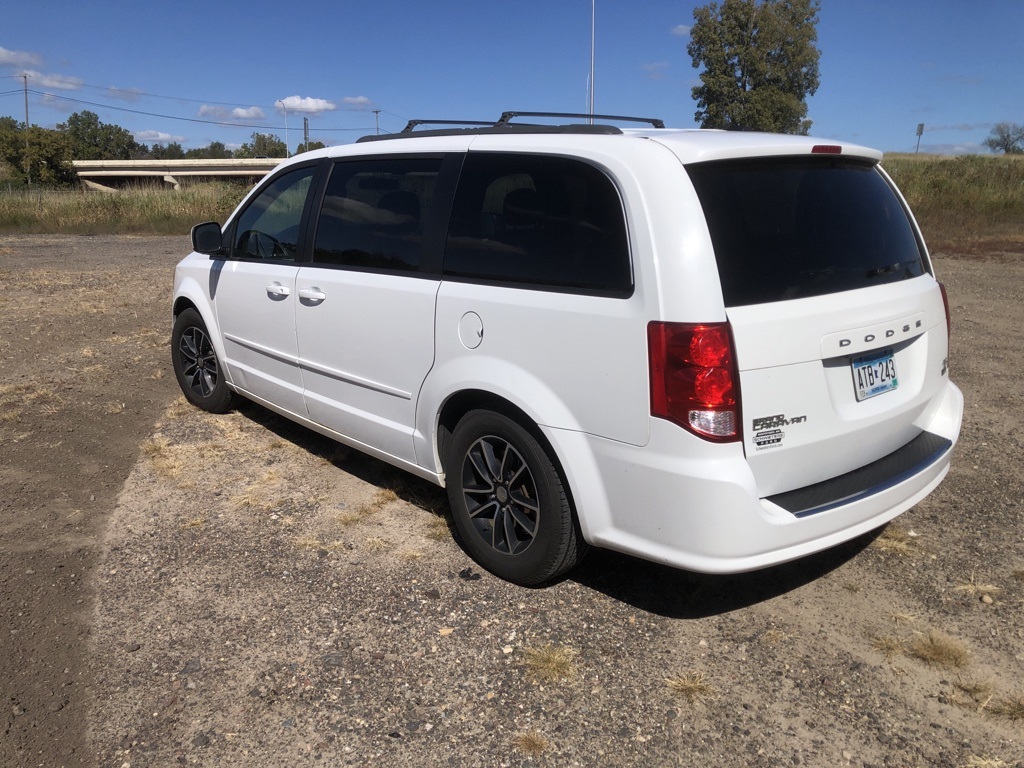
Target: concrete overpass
{"points": [[107, 175]]}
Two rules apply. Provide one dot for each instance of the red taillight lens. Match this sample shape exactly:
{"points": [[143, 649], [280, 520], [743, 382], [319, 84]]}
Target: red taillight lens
{"points": [[693, 378]]}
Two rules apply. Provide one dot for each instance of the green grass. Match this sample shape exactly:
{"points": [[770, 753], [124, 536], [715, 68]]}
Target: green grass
{"points": [[137, 210], [967, 203]]}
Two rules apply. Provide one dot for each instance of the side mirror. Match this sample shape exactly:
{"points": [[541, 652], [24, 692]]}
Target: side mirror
{"points": [[207, 238]]}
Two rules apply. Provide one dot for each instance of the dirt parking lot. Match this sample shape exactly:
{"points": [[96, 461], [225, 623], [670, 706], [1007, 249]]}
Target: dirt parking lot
{"points": [[187, 589]]}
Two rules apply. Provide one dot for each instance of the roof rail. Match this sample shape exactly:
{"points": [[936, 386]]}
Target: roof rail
{"points": [[504, 125], [506, 117], [413, 123]]}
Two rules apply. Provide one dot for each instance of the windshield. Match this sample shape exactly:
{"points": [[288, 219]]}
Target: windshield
{"points": [[793, 227]]}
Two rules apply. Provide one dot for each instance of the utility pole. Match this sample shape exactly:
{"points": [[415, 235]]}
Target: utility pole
{"points": [[593, 26], [376, 120], [305, 133], [28, 165]]}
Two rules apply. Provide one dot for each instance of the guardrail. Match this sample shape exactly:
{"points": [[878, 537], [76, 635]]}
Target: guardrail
{"points": [[93, 172]]}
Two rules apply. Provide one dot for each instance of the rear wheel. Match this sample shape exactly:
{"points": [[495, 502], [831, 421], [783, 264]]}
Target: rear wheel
{"points": [[196, 366], [509, 502]]}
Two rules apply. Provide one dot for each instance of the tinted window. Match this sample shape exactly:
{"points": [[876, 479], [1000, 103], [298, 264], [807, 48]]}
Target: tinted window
{"points": [[374, 213], [269, 227], [542, 220], [787, 228]]}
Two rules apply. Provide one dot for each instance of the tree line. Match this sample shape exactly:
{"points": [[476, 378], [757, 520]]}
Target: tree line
{"points": [[44, 155]]}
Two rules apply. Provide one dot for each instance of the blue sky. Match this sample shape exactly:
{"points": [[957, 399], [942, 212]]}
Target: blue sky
{"points": [[159, 70]]}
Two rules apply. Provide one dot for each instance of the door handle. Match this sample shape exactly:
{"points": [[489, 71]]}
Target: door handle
{"points": [[313, 294], [276, 289]]}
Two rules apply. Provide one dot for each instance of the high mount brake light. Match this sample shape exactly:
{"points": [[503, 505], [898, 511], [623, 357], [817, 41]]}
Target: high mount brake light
{"points": [[694, 382], [826, 149]]}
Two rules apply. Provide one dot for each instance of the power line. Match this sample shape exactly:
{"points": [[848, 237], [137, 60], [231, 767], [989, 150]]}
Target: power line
{"points": [[172, 117]]}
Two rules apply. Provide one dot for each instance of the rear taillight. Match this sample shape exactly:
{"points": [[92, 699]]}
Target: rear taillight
{"points": [[693, 378]]}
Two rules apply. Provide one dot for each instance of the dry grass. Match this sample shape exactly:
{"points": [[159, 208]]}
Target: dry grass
{"points": [[1011, 708], [984, 761], [899, 618], [381, 499], [889, 647], [551, 663], [973, 589], [532, 743], [1018, 575], [410, 555], [377, 544], [437, 528], [691, 686], [938, 650], [895, 541], [163, 457]]}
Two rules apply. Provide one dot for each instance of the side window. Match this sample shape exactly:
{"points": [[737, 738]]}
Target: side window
{"points": [[269, 227], [374, 213], [538, 219]]}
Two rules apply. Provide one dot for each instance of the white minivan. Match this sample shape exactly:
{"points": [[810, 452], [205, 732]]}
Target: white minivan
{"points": [[715, 350]]}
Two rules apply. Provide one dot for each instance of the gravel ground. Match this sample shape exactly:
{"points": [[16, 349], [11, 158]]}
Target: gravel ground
{"points": [[249, 593]]}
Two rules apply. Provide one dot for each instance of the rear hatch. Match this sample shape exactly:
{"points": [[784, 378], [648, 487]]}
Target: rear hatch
{"points": [[839, 327]]}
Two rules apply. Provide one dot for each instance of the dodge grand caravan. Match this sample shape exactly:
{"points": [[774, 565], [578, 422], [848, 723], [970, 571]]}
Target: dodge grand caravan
{"points": [[714, 350]]}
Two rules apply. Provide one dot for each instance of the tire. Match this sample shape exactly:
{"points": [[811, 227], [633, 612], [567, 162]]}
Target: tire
{"points": [[196, 367], [509, 501]]}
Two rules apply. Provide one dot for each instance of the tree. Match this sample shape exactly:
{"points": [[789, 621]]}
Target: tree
{"points": [[92, 139], [309, 147], [215, 151], [172, 151], [760, 63], [1007, 138], [48, 152], [263, 145]]}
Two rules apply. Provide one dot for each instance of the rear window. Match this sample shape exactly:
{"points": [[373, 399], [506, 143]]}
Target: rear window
{"points": [[789, 228]]}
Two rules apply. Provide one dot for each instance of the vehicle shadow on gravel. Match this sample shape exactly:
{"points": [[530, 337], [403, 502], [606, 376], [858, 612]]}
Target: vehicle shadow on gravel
{"points": [[651, 587], [677, 594]]}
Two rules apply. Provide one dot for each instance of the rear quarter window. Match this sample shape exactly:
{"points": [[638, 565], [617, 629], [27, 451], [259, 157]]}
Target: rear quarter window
{"points": [[789, 228], [538, 220]]}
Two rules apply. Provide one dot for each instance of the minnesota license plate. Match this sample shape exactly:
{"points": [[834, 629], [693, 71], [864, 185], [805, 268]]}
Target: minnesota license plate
{"points": [[874, 374]]}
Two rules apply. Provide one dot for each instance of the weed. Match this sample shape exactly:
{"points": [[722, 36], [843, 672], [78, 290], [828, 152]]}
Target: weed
{"points": [[692, 686], [974, 589], [889, 647], [1011, 708], [532, 743], [899, 618], [895, 541], [984, 761], [937, 650], [551, 662], [437, 528], [376, 544]]}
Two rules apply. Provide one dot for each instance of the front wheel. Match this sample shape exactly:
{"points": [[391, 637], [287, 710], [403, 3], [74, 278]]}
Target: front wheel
{"points": [[196, 366], [509, 502]]}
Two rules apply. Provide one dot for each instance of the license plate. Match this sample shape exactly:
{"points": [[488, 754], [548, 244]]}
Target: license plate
{"points": [[874, 374]]}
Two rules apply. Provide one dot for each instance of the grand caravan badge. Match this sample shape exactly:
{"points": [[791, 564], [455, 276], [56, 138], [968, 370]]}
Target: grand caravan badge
{"points": [[768, 430]]}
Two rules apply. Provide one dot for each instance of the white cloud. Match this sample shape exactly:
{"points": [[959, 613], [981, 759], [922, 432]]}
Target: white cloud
{"points": [[19, 58], [157, 136], [250, 113], [680, 30], [306, 104], [60, 82], [217, 113], [357, 101]]}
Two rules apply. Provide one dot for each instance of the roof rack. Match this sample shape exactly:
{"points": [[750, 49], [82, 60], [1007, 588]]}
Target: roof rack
{"points": [[413, 123], [505, 125], [506, 117]]}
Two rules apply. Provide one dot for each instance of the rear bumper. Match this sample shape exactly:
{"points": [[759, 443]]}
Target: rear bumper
{"points": [[696, 506]]}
